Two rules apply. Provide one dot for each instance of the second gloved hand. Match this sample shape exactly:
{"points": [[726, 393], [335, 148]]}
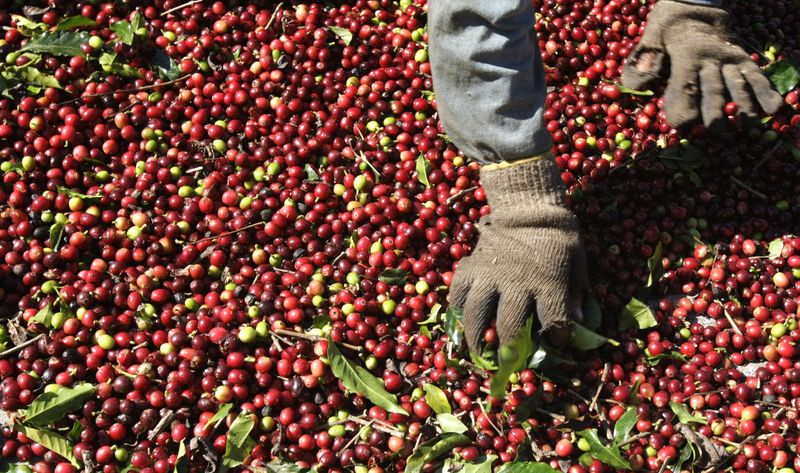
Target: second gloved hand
{"points": [[529, 257], [692, 45]]}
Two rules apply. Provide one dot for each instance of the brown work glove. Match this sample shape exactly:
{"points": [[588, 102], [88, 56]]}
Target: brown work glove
{"points": [[529, 258], [692, 44]]}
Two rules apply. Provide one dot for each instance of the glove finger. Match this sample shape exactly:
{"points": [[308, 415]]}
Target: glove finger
{"points": [[643, 66], [712, 98], [481, 305], [514, 308], [461, 283], [681, 96], [739, 90], [767, 97], [553, 308]]}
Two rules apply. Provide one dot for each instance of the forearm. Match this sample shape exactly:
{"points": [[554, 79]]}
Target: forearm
{"points": [[488, 78]]}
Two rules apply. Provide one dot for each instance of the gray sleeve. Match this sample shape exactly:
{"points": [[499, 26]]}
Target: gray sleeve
{"points": [[710, 3], [488, 77]]}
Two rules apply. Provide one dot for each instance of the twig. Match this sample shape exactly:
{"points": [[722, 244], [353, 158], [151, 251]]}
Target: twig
{"points": [[636, 437], [379, 427], [88, 463], [165, 420], [734, 326], [313, 338], [772, 404], [21, 346], [474, 368], [486, 414], [126, 91], [273, 16], [180, 7], [555, 416], [603, 378], [357, 435], [767, 156], [577, 396], [232, 232], [459, 195], [749, 189]]}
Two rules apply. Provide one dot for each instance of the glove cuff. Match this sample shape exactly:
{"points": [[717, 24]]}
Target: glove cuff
{"points": [[526, 183]]}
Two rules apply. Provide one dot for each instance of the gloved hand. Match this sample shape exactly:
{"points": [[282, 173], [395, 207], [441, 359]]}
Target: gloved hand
{"points": [[529, 257], [692, 44]]}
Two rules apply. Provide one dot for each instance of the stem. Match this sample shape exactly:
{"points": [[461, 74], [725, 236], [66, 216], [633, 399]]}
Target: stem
{"points": [[378, 427], [636, 437], [232, 232], [21, 346], [274, 15], [126, 91], [459, 195], [309, 337], [749, 189], [180, 7], [165, 420]]}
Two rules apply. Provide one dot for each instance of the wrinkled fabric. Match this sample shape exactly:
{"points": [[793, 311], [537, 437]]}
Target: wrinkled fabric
{"points": [[529, 259], [691, 45], [488, 77]]}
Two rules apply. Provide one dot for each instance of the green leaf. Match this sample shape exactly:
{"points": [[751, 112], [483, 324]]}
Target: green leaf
{"points": [[311, 174], [450, 424], [74, 433], [393, 276], [526, 467], [485, 465], [71, 193], [137, 22], [124, 31], [453, 326], [239, 443], [625, 425], [485, 361], [610, 456], [592, 313], [30, 76], [785, 74], [423, 166], [58, 43], [27, 27], [437, 399], [14, 467], [512, 358], [53, 406], [684, 416], [77, 21], [675, 356], [277, 467], [433, 317], [181, 461], [686, 453], [164, 66], [221, 413], [51, 441], [627, 90], [343, 33], [110, 65], [359, 380], [637, 314], [584, 339], [695, 179], [433, 449], [655, 266], [44, 316], [56, 231], [775, 248], [321, 321], [544, 358]]}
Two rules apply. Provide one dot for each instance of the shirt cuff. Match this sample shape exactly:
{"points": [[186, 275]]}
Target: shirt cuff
{"points": [[710, 3]]}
